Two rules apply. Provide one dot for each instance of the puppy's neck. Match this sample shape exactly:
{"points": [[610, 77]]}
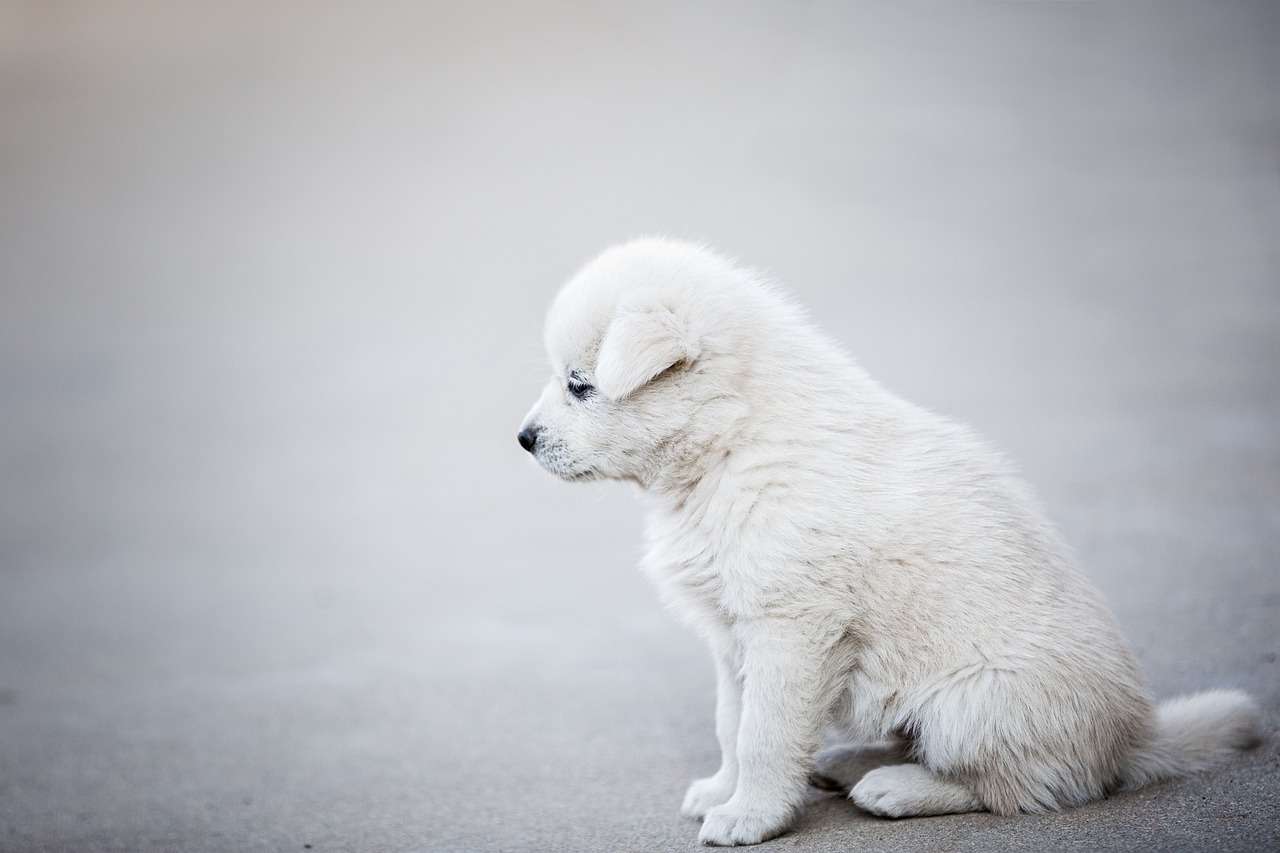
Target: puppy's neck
{"points": [[698, 453], [681, 487]]}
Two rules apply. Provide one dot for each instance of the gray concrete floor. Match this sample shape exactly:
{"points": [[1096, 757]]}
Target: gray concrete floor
{"points": [[273, 571]]}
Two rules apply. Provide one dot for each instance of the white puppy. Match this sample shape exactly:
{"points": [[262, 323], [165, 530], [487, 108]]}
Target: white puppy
{"points": [[851, 558]]}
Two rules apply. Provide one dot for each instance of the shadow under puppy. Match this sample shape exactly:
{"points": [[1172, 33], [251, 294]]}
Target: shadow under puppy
{"points": [[851, 558]]}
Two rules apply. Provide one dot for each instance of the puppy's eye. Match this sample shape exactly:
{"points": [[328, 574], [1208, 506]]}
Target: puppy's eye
{"points": [[580, 389]]}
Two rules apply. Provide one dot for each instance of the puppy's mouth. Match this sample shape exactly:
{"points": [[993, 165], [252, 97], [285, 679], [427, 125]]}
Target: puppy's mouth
{"points": [[554, 463], [571, 475]]}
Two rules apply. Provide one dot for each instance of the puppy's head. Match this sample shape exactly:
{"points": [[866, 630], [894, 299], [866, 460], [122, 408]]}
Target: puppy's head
{"points": [[640, 383]]}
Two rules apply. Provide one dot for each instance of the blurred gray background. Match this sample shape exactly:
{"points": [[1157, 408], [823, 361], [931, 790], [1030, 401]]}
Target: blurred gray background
{"points": [[273, 570]]}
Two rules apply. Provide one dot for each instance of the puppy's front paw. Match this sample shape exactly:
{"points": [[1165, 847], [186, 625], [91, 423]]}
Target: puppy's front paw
{"points": [[732, 824], [705, 794]]}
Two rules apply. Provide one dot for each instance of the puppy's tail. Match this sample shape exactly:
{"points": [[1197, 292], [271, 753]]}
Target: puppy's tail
{"points": [[1195, 733]]}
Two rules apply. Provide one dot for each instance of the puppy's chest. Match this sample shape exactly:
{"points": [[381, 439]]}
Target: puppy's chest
{"points": [[697, 569]]}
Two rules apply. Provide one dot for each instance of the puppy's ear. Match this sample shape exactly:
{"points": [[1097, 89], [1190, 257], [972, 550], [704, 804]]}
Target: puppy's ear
{"points": [[638, 345]]}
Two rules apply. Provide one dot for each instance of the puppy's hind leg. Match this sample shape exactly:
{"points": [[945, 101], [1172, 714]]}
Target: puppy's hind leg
{"points": [[912, 790]]}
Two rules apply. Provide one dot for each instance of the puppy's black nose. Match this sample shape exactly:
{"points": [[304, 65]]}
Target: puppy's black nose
{"points": [[528, 437]]}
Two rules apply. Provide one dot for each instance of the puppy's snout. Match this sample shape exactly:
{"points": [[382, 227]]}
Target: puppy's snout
{"points": [[528, 437]]}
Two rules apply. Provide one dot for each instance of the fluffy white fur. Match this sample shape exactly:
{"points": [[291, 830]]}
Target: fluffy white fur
{"points": [[852, 559]]}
